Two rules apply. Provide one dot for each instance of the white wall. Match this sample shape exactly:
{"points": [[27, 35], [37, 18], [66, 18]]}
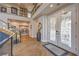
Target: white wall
{"points": [[6, 16], [43, 21], [44, 29], [33, 33]]}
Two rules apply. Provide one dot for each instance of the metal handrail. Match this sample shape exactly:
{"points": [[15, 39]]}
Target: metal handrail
{"points": [[3, 21], [7, 24]]}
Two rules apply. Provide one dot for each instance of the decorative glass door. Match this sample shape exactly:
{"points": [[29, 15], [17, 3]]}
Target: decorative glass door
{"points": [[66, 29], [53, 30]]}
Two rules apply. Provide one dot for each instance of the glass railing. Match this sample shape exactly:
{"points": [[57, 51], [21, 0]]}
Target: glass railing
{"points": [[6, 47], [6, 42]]}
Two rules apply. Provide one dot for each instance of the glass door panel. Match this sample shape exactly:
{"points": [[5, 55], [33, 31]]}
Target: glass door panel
{"points": [[66, 29], [53, 30]]}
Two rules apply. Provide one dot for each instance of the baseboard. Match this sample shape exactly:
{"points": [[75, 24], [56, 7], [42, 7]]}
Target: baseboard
{"points": [[44, 41]]}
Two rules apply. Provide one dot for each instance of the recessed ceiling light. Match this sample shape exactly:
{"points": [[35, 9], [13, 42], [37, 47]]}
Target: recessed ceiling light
{"points": [[51, 5]]}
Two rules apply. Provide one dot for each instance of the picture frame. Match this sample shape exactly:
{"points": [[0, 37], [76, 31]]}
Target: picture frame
{"points": [[14, 10], [3, 9]]}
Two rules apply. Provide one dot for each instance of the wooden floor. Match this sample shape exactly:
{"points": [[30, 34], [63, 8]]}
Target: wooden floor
{"points": [[30, 47]]}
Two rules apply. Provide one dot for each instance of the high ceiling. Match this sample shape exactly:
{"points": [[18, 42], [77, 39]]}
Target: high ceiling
{"points": [[49, 8], [29, 6]]}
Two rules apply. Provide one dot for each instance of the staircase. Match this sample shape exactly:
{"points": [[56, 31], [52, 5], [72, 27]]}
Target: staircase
{"points": [[12, 28]]}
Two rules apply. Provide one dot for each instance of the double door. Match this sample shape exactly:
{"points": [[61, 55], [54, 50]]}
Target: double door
{"points": [[60, 31]]}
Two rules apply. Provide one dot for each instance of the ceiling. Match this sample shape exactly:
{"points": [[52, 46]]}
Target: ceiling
{"points": [[29, 6], [48, 10], [55, 6]]}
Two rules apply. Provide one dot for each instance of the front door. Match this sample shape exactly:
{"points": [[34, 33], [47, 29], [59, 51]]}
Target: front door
{"points": [[52, 30]]}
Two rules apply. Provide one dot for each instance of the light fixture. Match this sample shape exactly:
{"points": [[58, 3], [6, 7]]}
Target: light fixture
{"points": [[4, 28], [29, 15], [51, 5]]}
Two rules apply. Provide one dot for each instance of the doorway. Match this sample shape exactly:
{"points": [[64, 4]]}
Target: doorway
{"points": [[20, 27]]}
